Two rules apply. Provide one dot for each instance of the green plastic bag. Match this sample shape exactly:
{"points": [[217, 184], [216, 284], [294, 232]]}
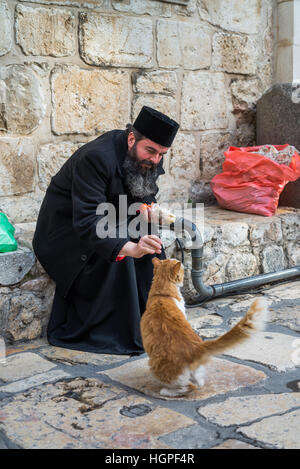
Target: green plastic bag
{"points": [[7, 231]]}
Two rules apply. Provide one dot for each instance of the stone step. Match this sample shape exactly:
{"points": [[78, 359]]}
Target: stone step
{"points": [[236, 245]]}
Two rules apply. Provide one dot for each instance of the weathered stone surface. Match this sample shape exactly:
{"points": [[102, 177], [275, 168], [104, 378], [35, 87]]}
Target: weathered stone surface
{"points": [[86, 413], [22, 208], [278, 431], [143, 7], [234, 444], [5, 31], [212, 147], [73, 357], [33, 381], [158, 82], [15, 265], [180, 45], [221, 376], [234, 54], [203, 101], [50, 159], [89, 101], [165, 104], [245, 94], [239, 410], [241, 265], [268, 348], [43, 31], [94, 4], [24, 105], [22, 366], [234, 16], [184, 160], [17, 165], [288, 316], [111, 41], [273, 259], [287, 291]]}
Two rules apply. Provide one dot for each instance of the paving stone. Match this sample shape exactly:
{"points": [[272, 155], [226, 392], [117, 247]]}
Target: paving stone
{"points": [[40, 378], [23, 365], [234, 444], [267, 348], [194, 437], [208, 320], [239, 410], [280, 431], [75, 357], [288, 316], [86, 413], [287, 291], [24, 347], [221, 376]]}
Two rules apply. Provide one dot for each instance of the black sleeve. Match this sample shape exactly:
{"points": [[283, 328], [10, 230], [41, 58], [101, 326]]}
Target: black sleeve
{"points": [[91, 175]]}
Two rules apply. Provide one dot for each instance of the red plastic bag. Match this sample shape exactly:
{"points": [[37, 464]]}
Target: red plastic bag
{"points": [[251, 182]]}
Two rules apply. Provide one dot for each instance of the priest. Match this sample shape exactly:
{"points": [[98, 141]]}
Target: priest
{"points": [[102, 282]]}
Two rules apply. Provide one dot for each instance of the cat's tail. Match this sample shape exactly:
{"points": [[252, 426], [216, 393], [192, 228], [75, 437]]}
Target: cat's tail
{"points": [[254, 320]]}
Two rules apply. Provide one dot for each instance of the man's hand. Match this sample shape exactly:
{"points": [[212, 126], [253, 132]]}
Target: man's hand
{"points": [[149, 244]]}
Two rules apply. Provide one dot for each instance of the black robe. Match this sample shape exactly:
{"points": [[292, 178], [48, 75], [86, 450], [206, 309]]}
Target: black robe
{"points": [[98, 301]]}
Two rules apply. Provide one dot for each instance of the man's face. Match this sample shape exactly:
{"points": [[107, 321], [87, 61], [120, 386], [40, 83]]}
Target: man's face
{"points": [[147, 152], [140, 166]]}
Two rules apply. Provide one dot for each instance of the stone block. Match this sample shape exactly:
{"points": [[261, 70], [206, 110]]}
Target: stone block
{"points": [[23, 365], [51, 157], [6, 30], [240, 410], [234, 54], [15, 265], [156, 82], [267, 348], [203, 101], [43, 31], [24, 106], [184, 159], [165, 104], [89, 101], [179, 44], [221, 376], [212, 147], [94, 4], [17, 165], [281, 431], [86, 413], [243, 17], [143, 7], [273, 259], [111, 41]]}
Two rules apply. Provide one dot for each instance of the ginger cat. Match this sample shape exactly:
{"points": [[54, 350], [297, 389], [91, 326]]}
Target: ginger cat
{"points": [[176, 353]]}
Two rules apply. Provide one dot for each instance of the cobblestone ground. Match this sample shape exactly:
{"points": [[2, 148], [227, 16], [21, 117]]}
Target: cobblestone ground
{"points": [[58, 398]]}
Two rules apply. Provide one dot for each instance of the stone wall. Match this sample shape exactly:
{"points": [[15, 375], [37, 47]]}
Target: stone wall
{"points": [[72, 69]]}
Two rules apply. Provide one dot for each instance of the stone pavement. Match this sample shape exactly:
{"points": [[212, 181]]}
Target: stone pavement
{"points": [[57, 398]]}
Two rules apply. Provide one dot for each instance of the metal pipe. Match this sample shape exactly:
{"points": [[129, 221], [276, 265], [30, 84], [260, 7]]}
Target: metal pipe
{"points": [[207, 292]]}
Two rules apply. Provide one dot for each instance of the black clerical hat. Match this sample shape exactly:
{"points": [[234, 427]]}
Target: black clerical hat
{"points": [[156, 126]]}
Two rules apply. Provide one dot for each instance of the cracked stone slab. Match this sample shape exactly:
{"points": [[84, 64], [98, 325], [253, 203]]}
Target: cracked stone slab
{"points": [[272, 349], [86, 413], [234, 444], [221, 376], [281, 431], [33, 381], [23, 365], [239, 410], [290, 291], [72, 357], [15, 265]]}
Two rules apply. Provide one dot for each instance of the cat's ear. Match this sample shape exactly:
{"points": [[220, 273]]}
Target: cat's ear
{"points": [[176, 268], [155, 261]]}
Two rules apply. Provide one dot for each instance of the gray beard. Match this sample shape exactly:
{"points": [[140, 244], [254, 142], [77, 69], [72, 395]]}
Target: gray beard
{"points": [[140, 182]]}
